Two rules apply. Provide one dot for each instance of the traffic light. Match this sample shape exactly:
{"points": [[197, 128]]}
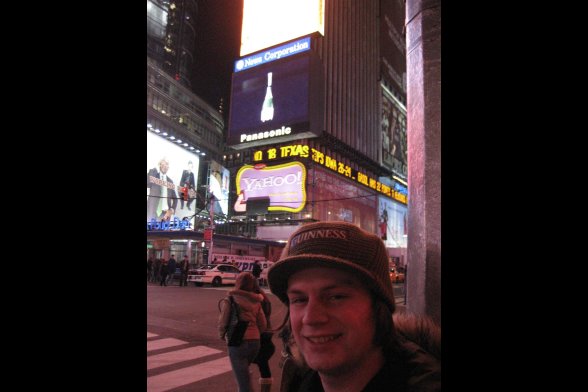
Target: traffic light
{"points": [[185, 192]]}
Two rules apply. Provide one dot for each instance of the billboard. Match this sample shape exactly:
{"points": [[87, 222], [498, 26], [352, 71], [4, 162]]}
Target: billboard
{"points": [[392, 223], [218, 185], [263, 188], [394, 143], [276, 102], [169, 167], [270, 22]]}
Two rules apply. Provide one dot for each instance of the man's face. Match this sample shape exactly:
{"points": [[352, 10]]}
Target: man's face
{"points": [[163, 166], [332, 321]]}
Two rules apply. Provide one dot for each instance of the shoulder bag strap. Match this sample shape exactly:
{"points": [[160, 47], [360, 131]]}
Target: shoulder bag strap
{"points": [[235, 306]]}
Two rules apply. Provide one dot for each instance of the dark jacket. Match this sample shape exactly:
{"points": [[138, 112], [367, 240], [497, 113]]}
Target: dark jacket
{"points": [[414, 366]]}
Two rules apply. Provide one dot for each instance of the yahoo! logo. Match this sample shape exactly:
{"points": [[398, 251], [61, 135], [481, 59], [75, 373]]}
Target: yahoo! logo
{"points": [[284, 185]]}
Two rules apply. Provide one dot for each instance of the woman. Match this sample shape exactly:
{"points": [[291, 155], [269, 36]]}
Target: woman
{"points": [[250, 310], [267, 347]]}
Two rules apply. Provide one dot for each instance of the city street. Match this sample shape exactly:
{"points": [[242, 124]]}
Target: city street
{"points": [[184, 352]]}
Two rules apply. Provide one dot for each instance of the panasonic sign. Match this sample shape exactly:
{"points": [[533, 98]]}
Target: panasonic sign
{"points": [[277, 53]]}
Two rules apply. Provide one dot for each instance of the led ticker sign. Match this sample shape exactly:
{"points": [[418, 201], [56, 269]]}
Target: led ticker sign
{"points": [[273, 54], [283, 186], [304, 151]]}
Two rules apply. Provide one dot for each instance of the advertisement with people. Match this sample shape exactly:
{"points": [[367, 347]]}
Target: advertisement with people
{"points": [[171, 174], [219, 187]]}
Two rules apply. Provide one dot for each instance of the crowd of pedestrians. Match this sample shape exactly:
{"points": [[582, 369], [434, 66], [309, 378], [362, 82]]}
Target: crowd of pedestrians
{"points": [[162, 271]]}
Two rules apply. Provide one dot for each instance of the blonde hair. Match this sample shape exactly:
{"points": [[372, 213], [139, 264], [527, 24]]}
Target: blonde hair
{"points": [[245, 281]]}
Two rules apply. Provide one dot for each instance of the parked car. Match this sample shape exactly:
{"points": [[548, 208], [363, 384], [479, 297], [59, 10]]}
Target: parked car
{"points": [[214, 274], [395, 276]]}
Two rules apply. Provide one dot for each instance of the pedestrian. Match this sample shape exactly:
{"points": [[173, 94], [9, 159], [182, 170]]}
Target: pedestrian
{"points": [[256, 270], [267, 347], [156, 271], [171, 269], [249, 303], [339, 333], [184, 266], [163, 273], [149, 267]]}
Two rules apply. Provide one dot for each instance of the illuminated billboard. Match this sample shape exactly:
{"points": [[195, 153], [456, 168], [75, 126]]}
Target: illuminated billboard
{"points": [[277, 102], [392, 223], [270, 22], [218, 185], [276, 188], [169, 168]]}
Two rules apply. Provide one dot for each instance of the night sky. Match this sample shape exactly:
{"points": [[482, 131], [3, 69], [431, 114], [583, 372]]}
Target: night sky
{"points": [[218, 39]]}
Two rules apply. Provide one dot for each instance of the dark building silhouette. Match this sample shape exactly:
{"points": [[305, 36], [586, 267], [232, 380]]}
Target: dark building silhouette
{"points": [[171, 36]]}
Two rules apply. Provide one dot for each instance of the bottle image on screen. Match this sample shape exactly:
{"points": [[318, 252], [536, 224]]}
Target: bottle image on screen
{"points": [[267, 109]]}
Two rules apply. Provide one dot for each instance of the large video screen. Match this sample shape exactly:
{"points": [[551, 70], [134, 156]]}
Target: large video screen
{"points": [[276, 102], [270, 22], [169, 167]]}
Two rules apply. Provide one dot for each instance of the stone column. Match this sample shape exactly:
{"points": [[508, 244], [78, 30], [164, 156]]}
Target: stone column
{"points": [[423, 56]]}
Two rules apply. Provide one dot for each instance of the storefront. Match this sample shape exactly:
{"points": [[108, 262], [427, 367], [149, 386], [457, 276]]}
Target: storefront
{"points": [[164, 243]]}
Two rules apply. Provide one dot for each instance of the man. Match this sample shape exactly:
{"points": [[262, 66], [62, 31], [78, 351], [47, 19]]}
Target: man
{"points": [[256, 271], [184, 266], [171, 269], [187, 181], [341, 336], [162, 199]]}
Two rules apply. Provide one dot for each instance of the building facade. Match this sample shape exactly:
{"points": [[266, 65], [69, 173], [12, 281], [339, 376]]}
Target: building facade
{"points": [[345, 160], [171, 36]]}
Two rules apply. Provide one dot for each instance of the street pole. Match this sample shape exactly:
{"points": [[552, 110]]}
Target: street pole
{"points": [[405, 261], [211, 213]]}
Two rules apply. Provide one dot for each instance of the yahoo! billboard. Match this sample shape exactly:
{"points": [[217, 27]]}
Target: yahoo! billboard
{"points": [[282, 186]]}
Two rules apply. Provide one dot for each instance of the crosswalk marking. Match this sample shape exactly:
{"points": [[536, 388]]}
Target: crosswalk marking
{"points": [[177, 378], [163, 343], [186, 354], [150, 335]]}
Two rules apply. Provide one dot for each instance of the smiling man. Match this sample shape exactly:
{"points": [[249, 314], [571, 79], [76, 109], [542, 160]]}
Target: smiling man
{"points": [[340, 332]]}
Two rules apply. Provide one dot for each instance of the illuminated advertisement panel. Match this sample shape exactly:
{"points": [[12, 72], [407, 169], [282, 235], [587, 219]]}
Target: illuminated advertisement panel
{"points": [[394, 145], [270, 22], [392, 223], [276, 102], [219, 186], [169, 168], [281, 186]]}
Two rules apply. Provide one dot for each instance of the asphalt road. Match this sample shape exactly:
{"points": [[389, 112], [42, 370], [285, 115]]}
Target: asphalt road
{"points": [[181, 321], [184, 352]]}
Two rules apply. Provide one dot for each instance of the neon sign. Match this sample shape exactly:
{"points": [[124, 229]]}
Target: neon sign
{"points": [[299, 46], [283, 185], [176, 224]]}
